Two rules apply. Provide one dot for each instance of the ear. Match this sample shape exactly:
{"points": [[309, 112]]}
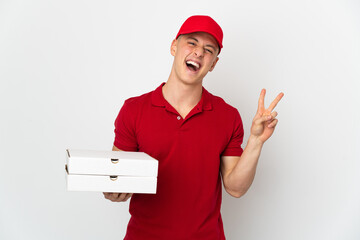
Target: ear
{"points": [[214, 63], [173, 47]]}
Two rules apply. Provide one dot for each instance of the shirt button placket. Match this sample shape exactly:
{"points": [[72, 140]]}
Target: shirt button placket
{"points": [[180, 122]]}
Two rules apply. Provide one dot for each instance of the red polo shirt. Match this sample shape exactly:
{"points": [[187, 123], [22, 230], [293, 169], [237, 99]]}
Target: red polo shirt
{"points": [[188, 199]]}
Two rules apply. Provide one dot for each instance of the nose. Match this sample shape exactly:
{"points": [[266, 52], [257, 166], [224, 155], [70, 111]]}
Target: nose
{"points": [[199, 51]]}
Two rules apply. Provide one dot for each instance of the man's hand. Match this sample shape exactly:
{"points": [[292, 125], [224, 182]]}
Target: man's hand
{"points": [[117, 197], [265, 121]]}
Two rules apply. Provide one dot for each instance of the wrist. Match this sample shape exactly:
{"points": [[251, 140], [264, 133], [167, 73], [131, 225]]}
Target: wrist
{"points": [[255, 141]]}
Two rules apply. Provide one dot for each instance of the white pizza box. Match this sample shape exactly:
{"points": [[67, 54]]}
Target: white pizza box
{"points": [[111, 163], [102, 183]]}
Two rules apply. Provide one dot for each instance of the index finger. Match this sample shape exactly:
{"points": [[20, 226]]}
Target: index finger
{"points": [[261, 101], [275, 102]]}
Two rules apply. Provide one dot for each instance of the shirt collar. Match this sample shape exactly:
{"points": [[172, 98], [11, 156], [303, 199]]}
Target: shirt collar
{"points": [[158, 99]]}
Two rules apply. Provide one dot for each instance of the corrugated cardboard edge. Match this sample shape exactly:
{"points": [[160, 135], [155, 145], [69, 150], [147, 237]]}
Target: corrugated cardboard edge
{"points": [[66, 177], [66, 161]]}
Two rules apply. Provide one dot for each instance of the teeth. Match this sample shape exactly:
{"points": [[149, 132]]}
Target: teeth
{"points": [[193, 63]]}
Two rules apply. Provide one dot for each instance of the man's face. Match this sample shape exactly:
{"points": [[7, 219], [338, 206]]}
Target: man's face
{"points": [[195, 55]]}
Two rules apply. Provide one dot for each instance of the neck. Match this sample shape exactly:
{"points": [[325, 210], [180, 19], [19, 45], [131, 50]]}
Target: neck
{"points": [[182, 95]]}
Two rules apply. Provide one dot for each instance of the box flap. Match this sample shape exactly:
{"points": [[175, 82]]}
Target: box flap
{"points": [[108, 155], [111, 163]]}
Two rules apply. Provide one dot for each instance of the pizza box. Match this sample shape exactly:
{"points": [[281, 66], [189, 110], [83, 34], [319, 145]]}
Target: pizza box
{"points": [[95, 162], [110, 171]]}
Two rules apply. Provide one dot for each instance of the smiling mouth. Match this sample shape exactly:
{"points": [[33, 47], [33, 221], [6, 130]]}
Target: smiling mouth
{"points": [[193, 66]]}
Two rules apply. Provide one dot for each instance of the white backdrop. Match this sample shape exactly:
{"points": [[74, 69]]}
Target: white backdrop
{"points": [[67, 66]]}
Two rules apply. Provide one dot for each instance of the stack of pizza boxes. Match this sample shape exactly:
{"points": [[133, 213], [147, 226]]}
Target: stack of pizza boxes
{"points": [[111, 171]]}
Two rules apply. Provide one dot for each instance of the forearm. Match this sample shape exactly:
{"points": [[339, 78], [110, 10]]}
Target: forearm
{"points": [[242, 175]]}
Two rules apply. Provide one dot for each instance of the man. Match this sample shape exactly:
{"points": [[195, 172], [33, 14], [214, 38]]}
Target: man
{"points": [[196, 137]]}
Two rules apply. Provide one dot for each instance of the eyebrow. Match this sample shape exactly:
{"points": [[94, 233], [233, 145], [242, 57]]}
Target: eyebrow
{"points": [[207, 45]]}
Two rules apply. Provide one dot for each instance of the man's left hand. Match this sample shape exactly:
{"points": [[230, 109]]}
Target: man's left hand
{"points": [[265, 121]]}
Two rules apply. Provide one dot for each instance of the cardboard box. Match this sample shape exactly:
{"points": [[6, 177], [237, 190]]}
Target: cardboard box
{"points": [[111, 171]]}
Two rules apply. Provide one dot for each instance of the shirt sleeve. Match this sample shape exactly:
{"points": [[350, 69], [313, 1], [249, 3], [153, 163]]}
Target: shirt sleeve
{"points": [[125, 133], [234, 146]]}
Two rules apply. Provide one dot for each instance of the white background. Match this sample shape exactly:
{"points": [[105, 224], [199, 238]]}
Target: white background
{"points": [[66, 68]]}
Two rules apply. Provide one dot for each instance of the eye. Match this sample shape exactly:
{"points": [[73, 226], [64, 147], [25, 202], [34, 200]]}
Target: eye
{"points": [[192, 43], [208, 50]]}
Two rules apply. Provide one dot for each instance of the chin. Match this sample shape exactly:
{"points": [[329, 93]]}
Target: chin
{"points": [[195, 79], [192, 81]]}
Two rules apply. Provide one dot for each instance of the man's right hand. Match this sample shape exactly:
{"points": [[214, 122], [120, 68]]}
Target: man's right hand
{"points": [[117, 197]]}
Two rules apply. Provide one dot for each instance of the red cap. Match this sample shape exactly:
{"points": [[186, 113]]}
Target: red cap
{"points": [[200, 23]]}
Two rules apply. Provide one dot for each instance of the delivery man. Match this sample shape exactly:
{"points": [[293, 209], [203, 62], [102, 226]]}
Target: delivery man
{"points": [[196, 137]]}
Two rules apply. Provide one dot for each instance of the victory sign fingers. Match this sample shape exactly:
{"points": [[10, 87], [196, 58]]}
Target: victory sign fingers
{"points": [[261, 105]]}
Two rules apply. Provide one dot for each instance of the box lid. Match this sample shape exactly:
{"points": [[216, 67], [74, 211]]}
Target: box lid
{"points": [[111, 163]]}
